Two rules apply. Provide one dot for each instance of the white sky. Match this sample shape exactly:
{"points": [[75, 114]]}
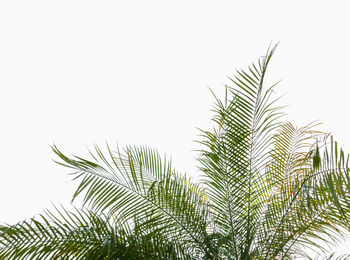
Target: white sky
{"points": [[76, 73]]}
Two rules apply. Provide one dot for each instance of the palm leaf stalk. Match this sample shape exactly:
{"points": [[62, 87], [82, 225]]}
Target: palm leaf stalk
{"points": [[269, 190]]}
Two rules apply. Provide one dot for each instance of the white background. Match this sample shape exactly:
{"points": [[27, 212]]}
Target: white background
{"points": [[75, 73]]}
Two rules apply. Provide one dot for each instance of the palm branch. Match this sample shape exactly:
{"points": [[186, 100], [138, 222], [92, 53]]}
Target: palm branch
{"points": [[269, 190]]}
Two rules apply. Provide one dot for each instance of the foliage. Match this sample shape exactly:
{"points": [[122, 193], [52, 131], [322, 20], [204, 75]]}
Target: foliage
{"points": [[269, 190]]}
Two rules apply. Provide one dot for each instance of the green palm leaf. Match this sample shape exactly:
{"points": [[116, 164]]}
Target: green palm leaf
{"points": [[269, 190], [236, 155], [139, 183], [80, 235]]}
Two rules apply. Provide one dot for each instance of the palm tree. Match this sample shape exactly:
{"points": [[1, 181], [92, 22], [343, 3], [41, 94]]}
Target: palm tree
{"points": [[269, 190]]}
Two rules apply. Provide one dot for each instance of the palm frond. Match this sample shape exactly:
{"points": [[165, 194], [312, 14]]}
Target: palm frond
{"points": [[303, 204], [81, 234], [139, 183], [270, 190], [236, 153]]}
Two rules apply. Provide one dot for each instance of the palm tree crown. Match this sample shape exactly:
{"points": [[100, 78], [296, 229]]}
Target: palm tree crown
{"points": [[268, 190]]}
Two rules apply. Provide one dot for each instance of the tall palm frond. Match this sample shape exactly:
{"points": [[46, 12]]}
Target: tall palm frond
{"points": [[236, 155]]}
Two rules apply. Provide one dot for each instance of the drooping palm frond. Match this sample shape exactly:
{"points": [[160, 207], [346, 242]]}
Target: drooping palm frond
{"points": [[81, 234], [139, 183]]}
